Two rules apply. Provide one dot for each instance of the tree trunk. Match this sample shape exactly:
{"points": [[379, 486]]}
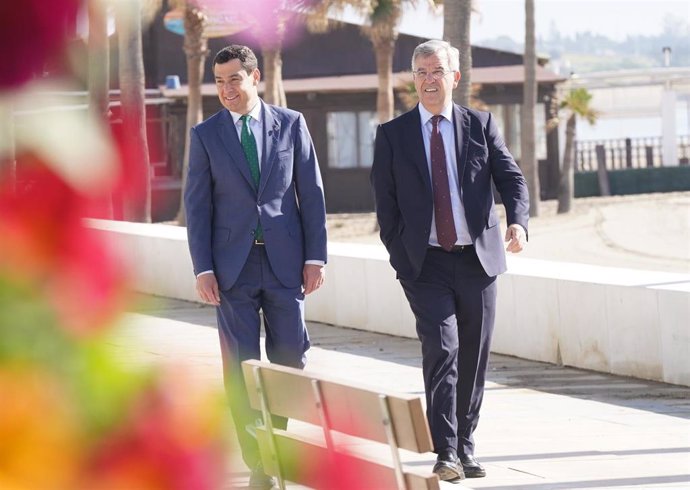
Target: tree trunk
{"points": [[602, 173], [566, 189], [383, 50], [99, 71], [196, 50], [274, 91], [132, 96], [457, 15], [99, 59], [8, 163], [528, 161]]}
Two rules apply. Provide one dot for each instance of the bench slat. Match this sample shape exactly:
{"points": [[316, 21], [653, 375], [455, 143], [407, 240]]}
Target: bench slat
{"points": [[353, 408]]}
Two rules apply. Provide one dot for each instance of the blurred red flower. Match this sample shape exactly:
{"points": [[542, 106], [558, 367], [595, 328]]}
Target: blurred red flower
{"points": [[46, 244], [352, 473], [32, 32], [171, 439]]}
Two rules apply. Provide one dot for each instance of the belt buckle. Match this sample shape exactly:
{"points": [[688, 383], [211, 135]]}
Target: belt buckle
{"points": [[258, 242]]}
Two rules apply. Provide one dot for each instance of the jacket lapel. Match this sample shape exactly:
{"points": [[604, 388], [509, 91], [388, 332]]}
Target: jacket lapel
{"points": [[462, 138], [414, 142], [271, 132], [228, 135]]}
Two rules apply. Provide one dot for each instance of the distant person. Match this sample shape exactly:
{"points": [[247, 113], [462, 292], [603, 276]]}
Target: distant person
{"points": [[256, 223], [432, 178]]}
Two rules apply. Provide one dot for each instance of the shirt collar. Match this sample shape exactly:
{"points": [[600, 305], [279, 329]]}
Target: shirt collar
{"points": [[447, 113], [255, 113]]}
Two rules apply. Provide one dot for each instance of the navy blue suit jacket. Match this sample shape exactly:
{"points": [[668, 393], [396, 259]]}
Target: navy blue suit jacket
{"points": [[402, 187], [223, 205]]}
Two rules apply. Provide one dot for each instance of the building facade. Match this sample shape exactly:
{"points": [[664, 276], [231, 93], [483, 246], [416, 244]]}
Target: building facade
{"points": [[331, 78]]}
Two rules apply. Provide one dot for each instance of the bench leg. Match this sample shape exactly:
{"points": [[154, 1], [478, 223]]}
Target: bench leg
{"points": [[392, 442], [323, 416], [268, 423]]}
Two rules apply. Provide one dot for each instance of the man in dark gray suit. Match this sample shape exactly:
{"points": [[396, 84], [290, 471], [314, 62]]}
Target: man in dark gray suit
{"points": [[256, 224], [432, 178]]}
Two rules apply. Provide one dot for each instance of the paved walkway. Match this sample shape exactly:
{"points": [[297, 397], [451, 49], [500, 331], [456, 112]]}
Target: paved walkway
{"points": [[543, 427]]}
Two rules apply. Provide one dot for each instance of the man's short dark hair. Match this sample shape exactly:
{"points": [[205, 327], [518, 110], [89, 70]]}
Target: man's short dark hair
{"points": [[237, 52]]}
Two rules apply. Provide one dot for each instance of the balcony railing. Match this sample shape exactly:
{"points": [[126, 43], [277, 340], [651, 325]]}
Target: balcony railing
{"points": [[626, 153]]}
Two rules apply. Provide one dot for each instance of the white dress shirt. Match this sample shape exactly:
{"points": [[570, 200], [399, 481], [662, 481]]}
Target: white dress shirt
{"points": [[448, 134], [255, 126]]}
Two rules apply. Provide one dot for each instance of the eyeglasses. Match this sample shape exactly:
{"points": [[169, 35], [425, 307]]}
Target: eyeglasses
{"points": [[435, 75]]}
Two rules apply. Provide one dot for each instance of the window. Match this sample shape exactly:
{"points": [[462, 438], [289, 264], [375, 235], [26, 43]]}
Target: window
{"points": [[507, 118], [351, 138]]}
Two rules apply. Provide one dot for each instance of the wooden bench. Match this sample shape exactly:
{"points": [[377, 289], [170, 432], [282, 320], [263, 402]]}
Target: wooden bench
{"points": [[340, 409]]}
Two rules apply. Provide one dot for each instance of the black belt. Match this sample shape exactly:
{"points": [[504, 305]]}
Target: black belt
{"points": [[455, 250], [259, 242]]}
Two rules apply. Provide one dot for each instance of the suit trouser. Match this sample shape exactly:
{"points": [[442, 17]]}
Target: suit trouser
{"points": [[454, 304], [239, 326]]}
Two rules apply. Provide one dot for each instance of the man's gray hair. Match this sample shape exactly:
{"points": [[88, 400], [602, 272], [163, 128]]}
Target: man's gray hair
{"points": [[440, 48]]}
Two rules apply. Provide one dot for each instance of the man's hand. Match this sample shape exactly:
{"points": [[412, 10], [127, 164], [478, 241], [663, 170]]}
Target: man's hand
{"points": [[312, 277], [207, 287], [516, 235]]}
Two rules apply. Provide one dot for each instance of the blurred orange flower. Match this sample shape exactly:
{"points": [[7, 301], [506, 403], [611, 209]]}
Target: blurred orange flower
{"points": [[39, 431]]}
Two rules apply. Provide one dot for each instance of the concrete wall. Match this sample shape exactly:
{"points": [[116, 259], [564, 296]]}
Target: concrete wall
{"points": [[622, 321]]}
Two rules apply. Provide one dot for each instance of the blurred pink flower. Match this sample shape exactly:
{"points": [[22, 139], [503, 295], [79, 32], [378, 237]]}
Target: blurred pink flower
{"points": [[270, 22], [32, 33], [171, 439]]}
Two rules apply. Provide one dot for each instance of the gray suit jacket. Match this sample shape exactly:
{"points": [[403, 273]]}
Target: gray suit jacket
{"points": [[223, 205]]}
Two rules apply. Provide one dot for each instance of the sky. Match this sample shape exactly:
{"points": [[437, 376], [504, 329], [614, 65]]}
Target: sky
{"points": [[613, 18]]}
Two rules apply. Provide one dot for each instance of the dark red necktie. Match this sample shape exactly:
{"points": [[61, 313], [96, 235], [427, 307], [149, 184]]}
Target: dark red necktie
{"points": [[445, 225]]}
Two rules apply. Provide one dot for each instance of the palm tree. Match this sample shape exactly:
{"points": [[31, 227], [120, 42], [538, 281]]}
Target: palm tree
{"points": [[195, 48], [99, 58], [274, 91], [270, 19], [99, 68], [8, 164], [456, 30], [575, 104], [528, 160], [382, 30], [128, 18]]}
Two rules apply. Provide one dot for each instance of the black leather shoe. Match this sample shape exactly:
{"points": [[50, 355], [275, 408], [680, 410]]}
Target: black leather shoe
{"points": [[259, 479], [471, 466], [447, 469]]}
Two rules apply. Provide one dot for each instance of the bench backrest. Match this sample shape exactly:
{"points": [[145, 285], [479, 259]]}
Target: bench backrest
{"points": [[349, 408]]}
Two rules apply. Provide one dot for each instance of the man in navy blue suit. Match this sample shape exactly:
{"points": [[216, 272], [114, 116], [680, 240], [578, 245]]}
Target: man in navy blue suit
{"points": [[432, 178], [256, 225]]}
